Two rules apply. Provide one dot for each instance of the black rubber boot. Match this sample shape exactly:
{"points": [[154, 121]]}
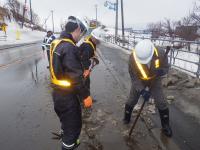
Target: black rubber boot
{"points": [[164, 117], [71, 147], [127, 114]]}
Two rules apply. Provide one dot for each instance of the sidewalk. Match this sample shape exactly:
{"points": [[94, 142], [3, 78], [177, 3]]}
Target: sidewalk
{"points": [[103, 127], [183, 103]]}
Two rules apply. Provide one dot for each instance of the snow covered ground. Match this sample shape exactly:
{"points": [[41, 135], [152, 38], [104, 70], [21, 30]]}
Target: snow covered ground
{"points": [[17, 35], [183, 65]]}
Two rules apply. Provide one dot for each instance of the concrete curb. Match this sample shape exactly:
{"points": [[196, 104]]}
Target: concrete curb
{"points": [[18, 45]]}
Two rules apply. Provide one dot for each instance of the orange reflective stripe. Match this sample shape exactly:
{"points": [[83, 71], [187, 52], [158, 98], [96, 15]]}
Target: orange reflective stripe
{"points": [[54, 80]]}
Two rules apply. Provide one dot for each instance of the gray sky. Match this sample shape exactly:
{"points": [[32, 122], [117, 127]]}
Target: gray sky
{"points": [[137, 12]]}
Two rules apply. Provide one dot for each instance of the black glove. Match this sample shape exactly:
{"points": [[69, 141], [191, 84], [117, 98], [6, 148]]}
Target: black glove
{"points": [[43, 48], [145, 94], [160, 72], [96, 61]]}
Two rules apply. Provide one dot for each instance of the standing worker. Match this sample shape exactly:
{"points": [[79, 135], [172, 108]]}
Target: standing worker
{"points": [[48, 39], [4, 28], [146, 66], [88, 55], [68, 82]]}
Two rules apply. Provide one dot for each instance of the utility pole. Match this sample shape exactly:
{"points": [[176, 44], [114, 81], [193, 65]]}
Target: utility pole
{"points": [[96, 13], [52, 20], [122, 13], [24, 10], [31, 14], [116, 22]]}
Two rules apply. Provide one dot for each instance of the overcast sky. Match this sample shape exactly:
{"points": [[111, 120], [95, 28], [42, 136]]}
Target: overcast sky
{"points": [[136, 12]]}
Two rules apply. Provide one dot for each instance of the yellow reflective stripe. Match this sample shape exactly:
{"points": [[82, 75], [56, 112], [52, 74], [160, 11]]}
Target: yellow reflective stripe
{"points": [[89, 42], [63, 83], [68, 40], [157, 63], [88, 37], [54, 80], [145, 77], [156, 51]]}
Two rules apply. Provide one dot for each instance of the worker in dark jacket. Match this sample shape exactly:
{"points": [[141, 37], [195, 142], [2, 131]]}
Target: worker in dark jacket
{"points": [[48, 39], [89, 56], [68, 82], [146, 66]]}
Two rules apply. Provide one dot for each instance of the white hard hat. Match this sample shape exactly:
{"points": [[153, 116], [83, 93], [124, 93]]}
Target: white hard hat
{"points": [[144, 51], [96, 33]]}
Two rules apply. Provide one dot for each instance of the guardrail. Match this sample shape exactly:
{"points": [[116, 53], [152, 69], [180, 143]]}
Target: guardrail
{"points": [[184, 55]]}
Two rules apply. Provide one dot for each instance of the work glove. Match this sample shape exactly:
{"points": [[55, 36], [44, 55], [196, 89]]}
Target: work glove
{"points": [[145, 94], [87, 102], [43, 48], [160, 72], [86, 73]]}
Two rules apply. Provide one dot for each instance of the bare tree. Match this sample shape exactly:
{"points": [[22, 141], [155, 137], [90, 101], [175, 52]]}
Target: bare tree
{"points": [[156, 29], [195, 15], [169, 27], [35, 19], [14, 7]]}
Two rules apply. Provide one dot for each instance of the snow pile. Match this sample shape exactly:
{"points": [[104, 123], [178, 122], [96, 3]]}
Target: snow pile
{"points": [[111, 31], [17, 35]]}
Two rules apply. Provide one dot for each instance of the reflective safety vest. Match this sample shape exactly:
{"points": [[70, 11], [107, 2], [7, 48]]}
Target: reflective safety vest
{"points": [[47, 41], [91, 44], [144, 71], [54, 80]]}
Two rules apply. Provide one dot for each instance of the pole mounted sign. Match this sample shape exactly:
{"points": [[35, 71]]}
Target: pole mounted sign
{"points": [[110, 5]]}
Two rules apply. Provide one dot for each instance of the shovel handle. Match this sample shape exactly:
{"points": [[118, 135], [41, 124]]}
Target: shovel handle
{"points": [[138, 115]]}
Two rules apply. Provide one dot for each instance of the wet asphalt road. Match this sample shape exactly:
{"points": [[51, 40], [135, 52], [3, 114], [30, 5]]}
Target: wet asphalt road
{"points": [[185, 127], [26, 111], [27, 115]]}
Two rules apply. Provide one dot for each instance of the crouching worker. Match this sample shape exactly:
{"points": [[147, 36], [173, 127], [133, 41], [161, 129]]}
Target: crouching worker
{"points": [[88, 55], [67, 81], [146, 66]]}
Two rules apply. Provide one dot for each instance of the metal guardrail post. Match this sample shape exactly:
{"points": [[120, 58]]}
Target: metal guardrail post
{"points": [[171, 55], [198, 70]]}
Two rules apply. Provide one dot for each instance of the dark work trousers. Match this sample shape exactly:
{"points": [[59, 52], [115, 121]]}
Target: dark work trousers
{"points": [[48, 55], [68, 109], [156, 93], [87, 83]]}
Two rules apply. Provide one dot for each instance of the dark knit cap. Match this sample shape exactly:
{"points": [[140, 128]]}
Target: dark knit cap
{"points": [[71, 26]]}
